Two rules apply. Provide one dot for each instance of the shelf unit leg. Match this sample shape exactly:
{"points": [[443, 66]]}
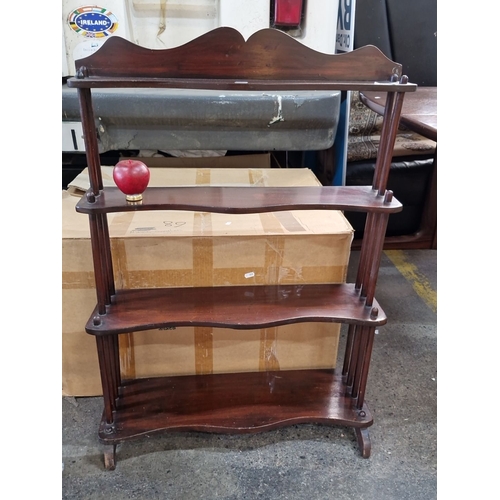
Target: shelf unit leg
{"points": [[91, 146], [370, 336], [364, 443], [101, 278], [348, 351], [366, 251], [112, 355], [107, 262], [384, 154], [359, 362], [110, 457], [376, 240], [106, 352], [353, 356], [392, 113]]}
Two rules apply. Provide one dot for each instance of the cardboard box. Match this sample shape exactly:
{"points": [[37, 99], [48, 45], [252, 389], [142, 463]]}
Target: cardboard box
{"points": [[256, 160], [178, 248], [197, 166]]}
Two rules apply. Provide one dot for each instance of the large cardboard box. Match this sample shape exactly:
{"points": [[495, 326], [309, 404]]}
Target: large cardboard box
{"points": [[179, 249]]}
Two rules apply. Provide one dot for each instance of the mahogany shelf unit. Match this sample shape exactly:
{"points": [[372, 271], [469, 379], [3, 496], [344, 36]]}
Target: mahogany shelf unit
{"points": [[237, 402]]}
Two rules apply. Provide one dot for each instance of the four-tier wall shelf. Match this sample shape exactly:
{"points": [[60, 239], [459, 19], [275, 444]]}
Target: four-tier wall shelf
{"points": [[269, 60]]}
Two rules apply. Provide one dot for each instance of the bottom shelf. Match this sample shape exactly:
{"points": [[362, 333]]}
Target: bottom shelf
{"points": [[232, 403]]}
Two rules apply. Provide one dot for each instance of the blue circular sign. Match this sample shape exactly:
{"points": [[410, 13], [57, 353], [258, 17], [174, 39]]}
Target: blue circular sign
{"points": [[93, 22]]}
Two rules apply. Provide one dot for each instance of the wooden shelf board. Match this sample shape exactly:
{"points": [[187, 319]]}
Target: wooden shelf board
{"points": [[241, 200], [243, 85], [238, 307], [231, 403]]}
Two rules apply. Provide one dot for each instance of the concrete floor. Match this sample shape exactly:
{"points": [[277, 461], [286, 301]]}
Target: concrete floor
{"points": [[304, 461]]}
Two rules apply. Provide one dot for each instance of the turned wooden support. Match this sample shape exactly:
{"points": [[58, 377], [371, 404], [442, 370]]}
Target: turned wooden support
{"points": [[100, 274], [370, 334], [107, 260], [348, 351], [392, 113], [107, 378], [109, 365], [98, 224], [376, 240], [90, 138]]}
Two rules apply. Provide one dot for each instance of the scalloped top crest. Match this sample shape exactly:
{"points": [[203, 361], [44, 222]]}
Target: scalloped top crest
{"points": [[222, 53]]}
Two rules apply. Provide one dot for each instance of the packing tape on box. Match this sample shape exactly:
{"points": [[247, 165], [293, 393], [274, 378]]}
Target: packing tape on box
{"points": [[127, 355], [268, 355], [256, 177], [78, 280], [202, 176], [203, 346], [203, 268]]}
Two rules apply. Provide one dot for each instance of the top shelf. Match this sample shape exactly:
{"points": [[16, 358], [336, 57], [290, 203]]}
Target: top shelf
{"points": [[269, 60], [243, 85], [241, 200]]}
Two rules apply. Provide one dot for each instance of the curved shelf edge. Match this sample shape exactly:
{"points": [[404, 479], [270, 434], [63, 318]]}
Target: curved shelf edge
{"points": [[223, 53], [237, 307], [241, 200], [232, 403]]}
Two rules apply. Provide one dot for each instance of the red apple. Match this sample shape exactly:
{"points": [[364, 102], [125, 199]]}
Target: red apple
{"points": [[132, 178]]}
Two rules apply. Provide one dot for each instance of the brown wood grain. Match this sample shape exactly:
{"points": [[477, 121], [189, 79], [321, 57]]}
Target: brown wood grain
{"points": [[222, 59], [238, 307], [230, 403], [243, 200]]}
